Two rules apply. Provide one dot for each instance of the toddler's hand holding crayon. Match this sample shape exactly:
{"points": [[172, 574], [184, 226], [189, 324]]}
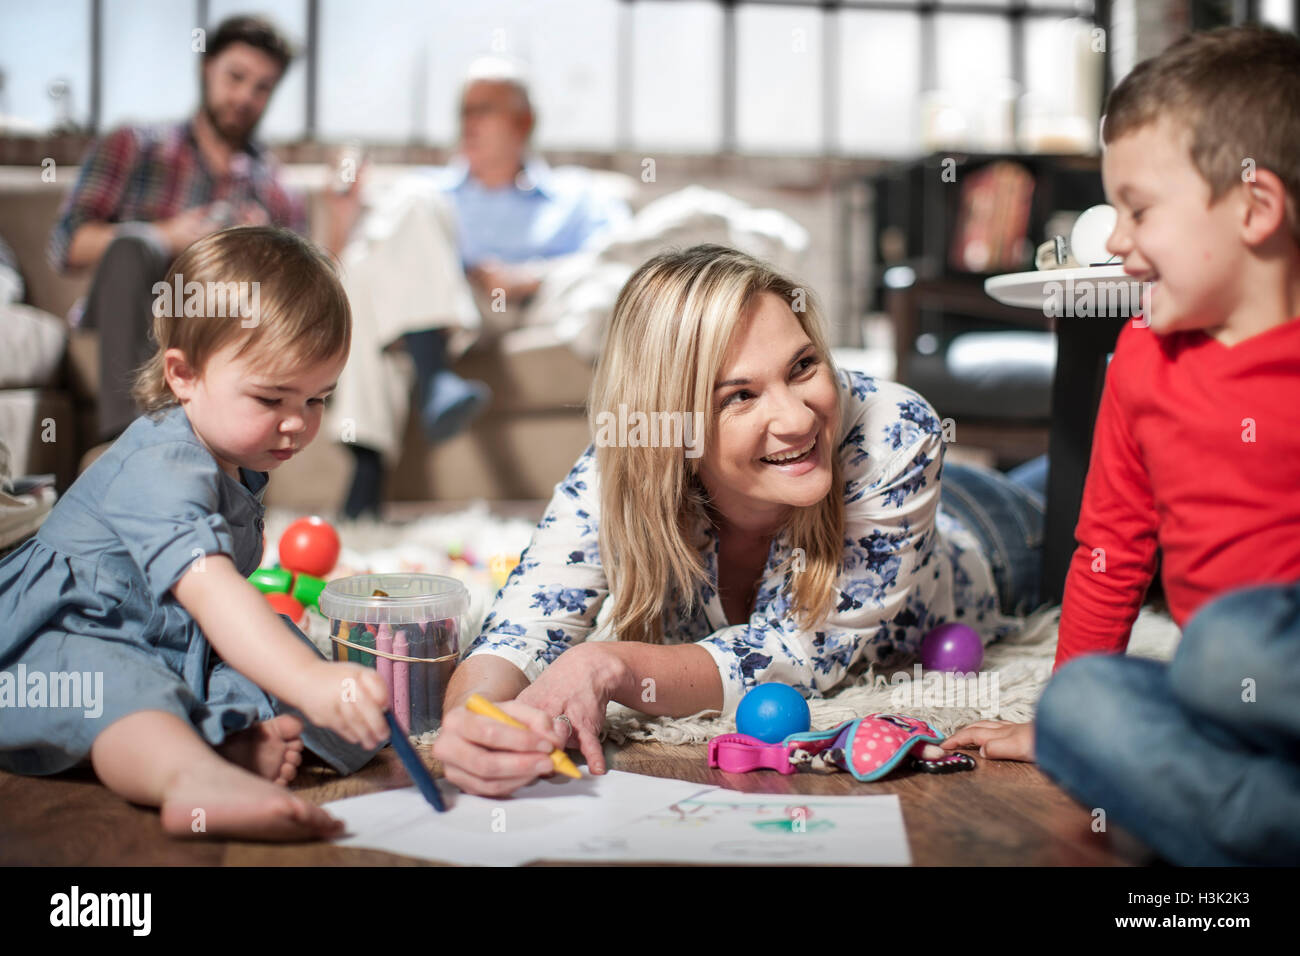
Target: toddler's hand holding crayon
{"points": [[348, 699]]}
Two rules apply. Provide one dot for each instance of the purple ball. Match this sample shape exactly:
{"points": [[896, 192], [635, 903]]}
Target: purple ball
{"points": [[952, 647]]}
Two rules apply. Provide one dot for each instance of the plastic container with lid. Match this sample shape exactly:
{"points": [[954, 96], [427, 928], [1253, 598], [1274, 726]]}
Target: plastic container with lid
{"points": [[407, 627]]}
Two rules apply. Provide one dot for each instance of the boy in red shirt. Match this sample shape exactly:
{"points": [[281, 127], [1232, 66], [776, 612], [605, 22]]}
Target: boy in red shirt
{"points": [[1197, 452]]}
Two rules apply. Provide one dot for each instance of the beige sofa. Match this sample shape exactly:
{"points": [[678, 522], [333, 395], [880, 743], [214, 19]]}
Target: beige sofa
{"points": [[535, 429]]}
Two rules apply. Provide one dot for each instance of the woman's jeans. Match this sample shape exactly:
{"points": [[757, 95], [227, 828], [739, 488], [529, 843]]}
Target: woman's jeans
{"points": [[1199, 757], [1005, 512]]}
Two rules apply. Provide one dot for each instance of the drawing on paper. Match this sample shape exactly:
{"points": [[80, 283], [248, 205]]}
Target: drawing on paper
{"points": [[767, 817]]}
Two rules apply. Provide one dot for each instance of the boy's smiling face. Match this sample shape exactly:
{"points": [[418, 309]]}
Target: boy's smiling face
{"points": [[1188, 252]]}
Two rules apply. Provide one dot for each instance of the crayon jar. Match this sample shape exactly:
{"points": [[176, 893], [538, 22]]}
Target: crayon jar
{"points": [[407, 627]]}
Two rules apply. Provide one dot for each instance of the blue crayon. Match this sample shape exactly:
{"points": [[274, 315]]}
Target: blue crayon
{"points": [[411, 761]]}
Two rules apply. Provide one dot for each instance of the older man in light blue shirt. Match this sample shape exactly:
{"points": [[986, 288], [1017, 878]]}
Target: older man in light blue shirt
{"points": [[542, 214], [513, 217]]}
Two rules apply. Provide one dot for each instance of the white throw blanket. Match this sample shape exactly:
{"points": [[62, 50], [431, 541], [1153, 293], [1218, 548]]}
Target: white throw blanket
{"points": [[577, 297]]}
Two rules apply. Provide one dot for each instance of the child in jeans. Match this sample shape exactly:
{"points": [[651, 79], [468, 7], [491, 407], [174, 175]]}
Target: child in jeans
{"points": [[1196, 452], [191, 694]]}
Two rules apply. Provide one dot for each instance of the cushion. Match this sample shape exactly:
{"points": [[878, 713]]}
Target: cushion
{"points": [[31, 346], [990, 375]]}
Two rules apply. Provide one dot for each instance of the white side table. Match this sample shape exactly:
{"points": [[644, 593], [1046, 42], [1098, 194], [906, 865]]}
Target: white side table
{"points": [[1089, 307]]}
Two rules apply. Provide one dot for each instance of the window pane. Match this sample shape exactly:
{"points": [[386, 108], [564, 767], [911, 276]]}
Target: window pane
{"points": [[151, 70], [677, 76], [41, 42], [1083, 8], [974, 101], [573, 84], [1278, 13], [779, 79], [374, 69], [392, 71], [286, 115], [1062, 101], [880, 57]]}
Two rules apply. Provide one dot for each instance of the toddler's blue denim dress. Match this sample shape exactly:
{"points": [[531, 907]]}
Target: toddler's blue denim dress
{"points": [[86, 605]]}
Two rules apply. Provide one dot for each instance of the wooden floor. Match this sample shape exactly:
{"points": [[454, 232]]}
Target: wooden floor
{"points": [[1001, 814]]}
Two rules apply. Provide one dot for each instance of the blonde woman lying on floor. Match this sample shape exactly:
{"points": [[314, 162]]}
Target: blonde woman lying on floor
{"points": [[786, 526]]}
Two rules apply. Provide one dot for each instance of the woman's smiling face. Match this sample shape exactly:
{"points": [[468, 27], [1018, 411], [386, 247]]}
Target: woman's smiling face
{"points": [[776, 418]]}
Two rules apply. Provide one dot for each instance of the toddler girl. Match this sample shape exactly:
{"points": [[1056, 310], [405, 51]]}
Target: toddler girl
{"points": [[131, 636]]}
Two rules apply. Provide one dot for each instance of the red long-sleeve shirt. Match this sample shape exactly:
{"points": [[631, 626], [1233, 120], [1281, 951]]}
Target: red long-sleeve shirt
{"points": [[1197, 451]]}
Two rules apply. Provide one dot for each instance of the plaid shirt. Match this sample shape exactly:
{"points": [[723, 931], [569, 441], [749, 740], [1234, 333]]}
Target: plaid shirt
{"points": [[149, 173]]}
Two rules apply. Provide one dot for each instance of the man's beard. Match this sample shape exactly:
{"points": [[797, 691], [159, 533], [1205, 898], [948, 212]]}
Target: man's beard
{"points": [[237, 137]]}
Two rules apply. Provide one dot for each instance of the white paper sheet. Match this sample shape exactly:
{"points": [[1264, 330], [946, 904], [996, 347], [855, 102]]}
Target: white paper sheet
{"points": [[536, 822], [731, 826], [628, 817]]}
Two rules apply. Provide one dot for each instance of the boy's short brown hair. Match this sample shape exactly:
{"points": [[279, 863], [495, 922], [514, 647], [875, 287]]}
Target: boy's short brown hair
{"points": [[265, 285], [1236, 90]]}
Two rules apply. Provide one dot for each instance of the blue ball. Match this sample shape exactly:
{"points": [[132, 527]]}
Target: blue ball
{"points": [[772, 712]]}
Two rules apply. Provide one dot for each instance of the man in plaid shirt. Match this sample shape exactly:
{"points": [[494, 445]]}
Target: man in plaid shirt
{"points": [[145, 193]]}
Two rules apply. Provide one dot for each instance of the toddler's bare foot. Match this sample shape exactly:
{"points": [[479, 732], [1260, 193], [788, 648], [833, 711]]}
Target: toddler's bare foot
{"points": [[271, 749], [224, 800]]}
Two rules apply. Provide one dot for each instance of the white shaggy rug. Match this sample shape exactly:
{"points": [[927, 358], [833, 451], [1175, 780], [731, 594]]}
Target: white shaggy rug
{"points": [[1010, 680], [1007, 687]]}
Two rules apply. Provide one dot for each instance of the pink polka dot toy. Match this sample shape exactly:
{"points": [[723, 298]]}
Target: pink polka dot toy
{"points": [[869, 748]]}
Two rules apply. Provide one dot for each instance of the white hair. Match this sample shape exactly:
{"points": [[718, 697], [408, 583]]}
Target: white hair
{"points": [[499, 69]]}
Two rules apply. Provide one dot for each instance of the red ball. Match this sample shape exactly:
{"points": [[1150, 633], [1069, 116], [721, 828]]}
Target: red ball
{"points": [[310, 546], [285, 604]]}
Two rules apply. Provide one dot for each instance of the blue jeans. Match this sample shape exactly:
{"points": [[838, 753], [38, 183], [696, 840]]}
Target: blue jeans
{"points": [[1200, 757], [1005, 513]]}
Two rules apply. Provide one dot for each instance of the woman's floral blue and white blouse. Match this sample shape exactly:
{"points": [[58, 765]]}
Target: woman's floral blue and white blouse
{"points": [[907, 567]]}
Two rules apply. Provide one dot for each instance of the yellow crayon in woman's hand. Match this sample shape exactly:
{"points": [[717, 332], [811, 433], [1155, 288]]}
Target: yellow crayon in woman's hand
{"points": [[481, 705]]}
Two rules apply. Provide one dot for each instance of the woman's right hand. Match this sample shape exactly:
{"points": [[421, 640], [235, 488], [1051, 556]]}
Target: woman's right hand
{"points": [[486, 757]]}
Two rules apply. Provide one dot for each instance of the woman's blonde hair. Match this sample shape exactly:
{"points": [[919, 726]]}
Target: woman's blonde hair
{"points": [[673, 324], [269, 287]]}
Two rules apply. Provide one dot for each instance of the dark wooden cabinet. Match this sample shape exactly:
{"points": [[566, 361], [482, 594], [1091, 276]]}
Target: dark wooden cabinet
{"points": [[917, 213]]}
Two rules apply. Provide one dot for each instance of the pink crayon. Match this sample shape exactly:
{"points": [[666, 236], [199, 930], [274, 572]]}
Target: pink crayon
{"points": [[401, 682], [384, 644]]}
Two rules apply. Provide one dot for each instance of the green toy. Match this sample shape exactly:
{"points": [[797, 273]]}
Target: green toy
{"points": [[304, 588]]}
